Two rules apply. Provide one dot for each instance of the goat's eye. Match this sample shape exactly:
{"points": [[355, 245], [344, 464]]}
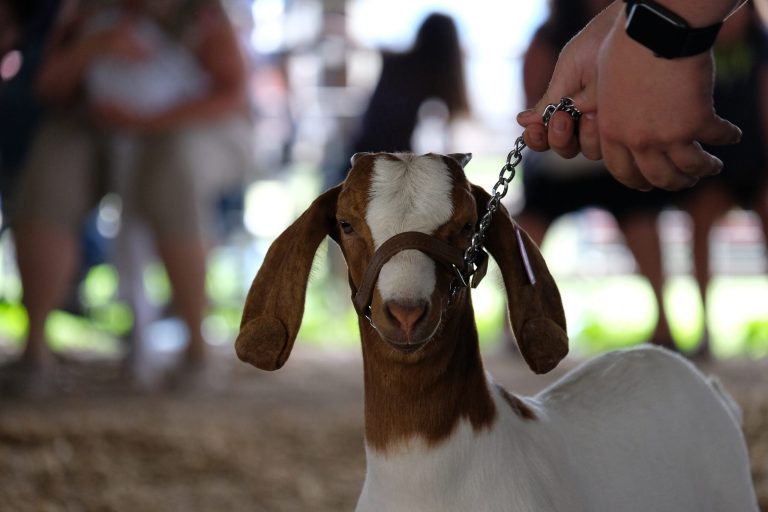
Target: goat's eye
{"points": [[346, 227], [468, 229]]}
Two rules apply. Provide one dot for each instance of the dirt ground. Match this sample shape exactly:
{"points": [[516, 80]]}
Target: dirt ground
{"points": [[250, 441]]}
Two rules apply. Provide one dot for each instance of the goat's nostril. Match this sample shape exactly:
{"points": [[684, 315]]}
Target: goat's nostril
{"points": [[406, 314]]}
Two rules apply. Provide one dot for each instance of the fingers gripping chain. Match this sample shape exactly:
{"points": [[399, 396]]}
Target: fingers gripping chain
{"points": [[565, 105], [475, 257]]}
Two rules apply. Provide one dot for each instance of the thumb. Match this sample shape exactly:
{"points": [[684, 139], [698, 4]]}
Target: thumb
{"points": [[584, 100], [534, 115], [719, 132]]}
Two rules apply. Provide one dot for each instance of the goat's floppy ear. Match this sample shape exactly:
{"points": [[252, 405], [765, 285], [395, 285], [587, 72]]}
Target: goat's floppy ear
{"points": [[535, 310], [275, 303]]}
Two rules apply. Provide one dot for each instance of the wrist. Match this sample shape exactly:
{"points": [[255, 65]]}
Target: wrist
{"points": [[701, 13], [632, 51], [665, 32]]}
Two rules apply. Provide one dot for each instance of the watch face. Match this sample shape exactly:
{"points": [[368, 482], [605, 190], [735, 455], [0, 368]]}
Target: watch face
{"points": [[662, 32], [654, 10]]}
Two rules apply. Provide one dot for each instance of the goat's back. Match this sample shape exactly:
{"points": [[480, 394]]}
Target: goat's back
{"points": [[643, 429]]}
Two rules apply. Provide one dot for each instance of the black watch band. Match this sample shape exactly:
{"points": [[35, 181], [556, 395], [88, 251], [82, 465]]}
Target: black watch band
{"points": [[665, 33]]}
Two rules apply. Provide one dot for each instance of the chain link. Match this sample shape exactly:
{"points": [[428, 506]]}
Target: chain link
{"points": [[566, 105], [474, 252]]}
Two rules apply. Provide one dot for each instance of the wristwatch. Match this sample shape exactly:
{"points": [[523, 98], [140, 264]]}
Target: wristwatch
{"points": [[665, 33]]}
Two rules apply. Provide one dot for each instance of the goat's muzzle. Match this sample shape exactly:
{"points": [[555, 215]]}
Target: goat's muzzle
{"points": [[409, 316], [407, 325]]}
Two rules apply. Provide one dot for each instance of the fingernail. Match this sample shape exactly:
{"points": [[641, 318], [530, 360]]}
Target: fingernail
{"points": [[718, 168], [590, 116], [524, 113], [537, 138]]}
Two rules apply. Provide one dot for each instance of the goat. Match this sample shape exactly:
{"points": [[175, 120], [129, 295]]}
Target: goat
{"points": [[633, 430]]}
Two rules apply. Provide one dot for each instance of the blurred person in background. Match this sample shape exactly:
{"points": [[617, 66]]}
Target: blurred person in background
{"points": [[168, 77], [740, 95], [24, 27], [432, 69], [554, 186]]}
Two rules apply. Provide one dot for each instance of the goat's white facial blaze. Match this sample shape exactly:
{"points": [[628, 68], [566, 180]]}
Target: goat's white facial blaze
{"points": [[412, 193]]}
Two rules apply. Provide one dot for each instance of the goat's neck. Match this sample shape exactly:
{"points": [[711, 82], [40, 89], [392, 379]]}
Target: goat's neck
{"points": [[427, 398]]}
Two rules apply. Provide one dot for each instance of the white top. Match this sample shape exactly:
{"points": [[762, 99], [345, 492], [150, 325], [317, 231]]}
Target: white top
{"points": [[169, 76]]}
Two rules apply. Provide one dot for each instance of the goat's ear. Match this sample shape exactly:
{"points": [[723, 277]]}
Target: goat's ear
{"points": [[535, 310], [275, 303], [462, 158], [356, 156]]}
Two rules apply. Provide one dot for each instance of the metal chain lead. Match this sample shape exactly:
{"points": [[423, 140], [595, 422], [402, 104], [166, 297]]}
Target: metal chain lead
{"points": [[475, 250], [566, 105]]}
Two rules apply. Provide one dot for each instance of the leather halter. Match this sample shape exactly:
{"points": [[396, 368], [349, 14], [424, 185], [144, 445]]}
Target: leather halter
{"points": [[447, 255]]}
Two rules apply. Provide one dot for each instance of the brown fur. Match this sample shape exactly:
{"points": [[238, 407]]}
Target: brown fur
{"points": [[423, 394], [535, 310], [275, 303]]}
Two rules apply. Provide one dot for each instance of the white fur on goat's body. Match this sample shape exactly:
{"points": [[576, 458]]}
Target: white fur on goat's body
{"points": [[408, 194], [632, 431]]}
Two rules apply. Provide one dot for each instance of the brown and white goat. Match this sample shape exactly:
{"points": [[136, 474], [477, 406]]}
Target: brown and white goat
{"points": [[633, 430]]}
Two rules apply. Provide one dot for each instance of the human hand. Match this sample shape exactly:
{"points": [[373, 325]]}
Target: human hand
{"points": [[645, 116], [575, 76], [116, 117], [655, 113]]}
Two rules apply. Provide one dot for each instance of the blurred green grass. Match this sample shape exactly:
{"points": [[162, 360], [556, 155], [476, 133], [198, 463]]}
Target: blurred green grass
{"points": [[603, 313]]}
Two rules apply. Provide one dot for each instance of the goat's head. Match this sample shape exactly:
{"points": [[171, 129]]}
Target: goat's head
{"points": [[385, 195]]}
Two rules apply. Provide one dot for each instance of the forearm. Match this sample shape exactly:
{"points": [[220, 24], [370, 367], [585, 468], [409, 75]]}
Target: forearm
{"points": [[219, 104], [63, 70], [219, 54]]}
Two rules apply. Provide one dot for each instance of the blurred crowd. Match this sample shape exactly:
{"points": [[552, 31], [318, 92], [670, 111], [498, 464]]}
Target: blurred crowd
{"points": [[554, 186], [145, 100], [163, 107]]}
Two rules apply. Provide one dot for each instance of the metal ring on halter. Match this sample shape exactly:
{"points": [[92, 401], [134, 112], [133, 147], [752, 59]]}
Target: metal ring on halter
{"points": [[565, 105]]}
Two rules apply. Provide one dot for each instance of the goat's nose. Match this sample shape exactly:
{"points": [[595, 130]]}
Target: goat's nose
{"points": [[407, 314]]}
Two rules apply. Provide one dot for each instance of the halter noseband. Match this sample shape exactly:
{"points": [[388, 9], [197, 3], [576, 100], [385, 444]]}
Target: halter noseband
{"points": [[443, 253]]}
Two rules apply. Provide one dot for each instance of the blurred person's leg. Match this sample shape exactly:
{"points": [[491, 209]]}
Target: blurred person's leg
{"points": [[185, 263], [133, 250], [165, 195], [57, 188], [47, 260], [642, 238], [761, 208], [707, 204], [182, 175]]}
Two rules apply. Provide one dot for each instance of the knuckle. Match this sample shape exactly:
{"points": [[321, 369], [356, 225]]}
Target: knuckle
{"points": [[694, 168], [591, 153], [669, 180]]}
